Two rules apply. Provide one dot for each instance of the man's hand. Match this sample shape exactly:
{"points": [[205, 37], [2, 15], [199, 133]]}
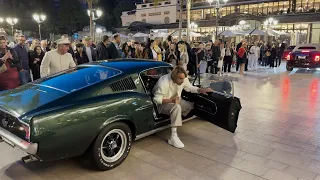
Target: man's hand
{"points": [[205, 90], [175, 100]]}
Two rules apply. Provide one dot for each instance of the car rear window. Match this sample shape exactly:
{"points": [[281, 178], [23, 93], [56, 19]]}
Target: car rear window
{"points": [[291, 47], [307, 47], [77, 78]]}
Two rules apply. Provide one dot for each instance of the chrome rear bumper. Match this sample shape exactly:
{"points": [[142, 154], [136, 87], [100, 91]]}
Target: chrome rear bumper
{"points": [[15, 141]]}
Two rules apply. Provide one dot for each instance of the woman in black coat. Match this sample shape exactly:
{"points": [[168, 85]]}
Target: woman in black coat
{"points": [[35, 60]]}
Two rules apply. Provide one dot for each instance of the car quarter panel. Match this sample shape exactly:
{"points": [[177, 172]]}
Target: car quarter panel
{"points": [[69, 131]]}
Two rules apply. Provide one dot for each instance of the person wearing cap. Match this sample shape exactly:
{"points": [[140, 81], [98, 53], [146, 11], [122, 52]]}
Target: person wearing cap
{"points": [[71, 51], [57, 60]]}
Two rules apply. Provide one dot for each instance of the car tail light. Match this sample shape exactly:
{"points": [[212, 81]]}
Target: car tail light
{"points": [[288, 57], [317, 58], [26, 129]]}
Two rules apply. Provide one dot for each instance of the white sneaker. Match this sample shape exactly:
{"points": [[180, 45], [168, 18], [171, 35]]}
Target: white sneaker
{"points": [[175, 141]]}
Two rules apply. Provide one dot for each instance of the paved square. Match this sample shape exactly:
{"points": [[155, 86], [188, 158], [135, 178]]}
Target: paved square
{"points": [[277, 138]]}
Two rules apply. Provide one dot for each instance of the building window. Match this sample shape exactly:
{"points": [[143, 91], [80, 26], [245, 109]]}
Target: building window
{"points": [[151, 5], [167, 2], [166, 20], [144, 20], [144, 6], [167, 12], [155, 14], [143, 15]]}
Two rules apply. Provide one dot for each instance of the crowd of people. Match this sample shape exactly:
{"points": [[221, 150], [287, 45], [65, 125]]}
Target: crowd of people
{"points": [[21, 63]]}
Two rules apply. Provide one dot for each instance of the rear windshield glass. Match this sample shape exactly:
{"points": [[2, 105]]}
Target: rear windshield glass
{"points": [[307, 47], [77, 78], [291, 47]]}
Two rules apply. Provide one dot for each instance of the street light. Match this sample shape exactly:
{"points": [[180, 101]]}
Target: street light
{"points": [[99, 31], [267, 23], [95, 14], [12, 22], [218, 6], [1, 20], [39, 19]]}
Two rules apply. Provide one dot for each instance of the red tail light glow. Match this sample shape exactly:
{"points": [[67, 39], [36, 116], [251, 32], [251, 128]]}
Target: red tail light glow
{"points": [[288, 57], [317, 58], [27, 130]]}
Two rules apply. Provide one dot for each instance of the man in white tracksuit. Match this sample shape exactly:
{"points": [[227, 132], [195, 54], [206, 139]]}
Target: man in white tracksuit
{"points": [[254, 56], [167, 93]]}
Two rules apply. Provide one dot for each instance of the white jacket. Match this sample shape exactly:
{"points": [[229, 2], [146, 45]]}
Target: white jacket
{"points": [[166, 88], [54, 62]]}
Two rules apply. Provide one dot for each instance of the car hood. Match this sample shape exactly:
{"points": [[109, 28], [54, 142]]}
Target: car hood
{"points": [[27, 98]]}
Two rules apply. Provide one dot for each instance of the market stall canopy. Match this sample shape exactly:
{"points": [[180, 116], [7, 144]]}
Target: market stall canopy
{"points": [[160, 35], [276, 33], [229, 33], [192, 34], [255, 32], [121, 35], [139, 34]]}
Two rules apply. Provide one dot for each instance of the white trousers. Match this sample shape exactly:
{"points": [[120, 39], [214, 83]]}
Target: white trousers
{"points": [[252, 62], [175, 111]]}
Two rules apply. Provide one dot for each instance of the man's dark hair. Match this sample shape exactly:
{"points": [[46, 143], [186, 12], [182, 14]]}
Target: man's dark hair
{"points": [[105, 38], [2, 38], [116, 36], [176, 71]]}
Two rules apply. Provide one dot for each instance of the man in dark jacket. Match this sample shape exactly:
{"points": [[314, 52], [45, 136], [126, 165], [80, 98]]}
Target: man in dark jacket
{"points": [[113, 47], [102, 51], [216, 55], [24, 73], [88, 49]]}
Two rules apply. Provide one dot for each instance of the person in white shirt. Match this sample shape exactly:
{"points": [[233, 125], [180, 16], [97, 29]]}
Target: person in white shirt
{"points": [[57, 60], [167, 93], [184, 57], [220, 62], [88, 49], [254, 56]]}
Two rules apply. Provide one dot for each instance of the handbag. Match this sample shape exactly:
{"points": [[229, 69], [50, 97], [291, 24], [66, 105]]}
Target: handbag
{"points": [[3, 68]]}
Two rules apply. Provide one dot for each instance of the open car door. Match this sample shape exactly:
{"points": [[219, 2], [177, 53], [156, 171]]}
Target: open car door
{"points": [[220, 107]]}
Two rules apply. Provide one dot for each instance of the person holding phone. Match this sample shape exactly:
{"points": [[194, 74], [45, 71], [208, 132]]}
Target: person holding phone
{"points": [[10, 65], [35, 60]]}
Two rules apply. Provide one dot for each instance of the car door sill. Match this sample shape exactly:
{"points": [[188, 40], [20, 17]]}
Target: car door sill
{"points": [[140, 136]]}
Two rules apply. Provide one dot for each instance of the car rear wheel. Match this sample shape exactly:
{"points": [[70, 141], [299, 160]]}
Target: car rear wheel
{"points": [[289, 68], [112, 146]]}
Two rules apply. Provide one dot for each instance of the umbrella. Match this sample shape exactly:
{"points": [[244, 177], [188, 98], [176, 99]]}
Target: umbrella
{"points": [[160, 35], [255, 32], [192, 34], [121, 35], [276, 33], [229, 33], [139, 34]]}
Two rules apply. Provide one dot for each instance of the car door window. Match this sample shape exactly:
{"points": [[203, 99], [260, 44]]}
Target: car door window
{"points": [[151, 76]]}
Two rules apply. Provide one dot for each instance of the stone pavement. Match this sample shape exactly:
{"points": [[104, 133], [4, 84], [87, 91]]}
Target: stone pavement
{"points": [[277, 138]]}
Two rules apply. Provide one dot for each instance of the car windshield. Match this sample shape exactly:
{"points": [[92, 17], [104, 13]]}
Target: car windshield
{"points": [[219, 84], [291, 47], [77, 78]]}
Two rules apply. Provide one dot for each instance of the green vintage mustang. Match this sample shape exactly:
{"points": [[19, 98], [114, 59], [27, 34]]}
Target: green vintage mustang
{"points": [[101, 108]]}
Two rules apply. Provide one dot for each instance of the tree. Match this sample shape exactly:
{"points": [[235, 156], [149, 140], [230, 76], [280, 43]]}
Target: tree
{"points": [[123, 5]]}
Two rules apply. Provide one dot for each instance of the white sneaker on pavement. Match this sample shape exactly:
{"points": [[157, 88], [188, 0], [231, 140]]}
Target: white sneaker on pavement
{"points": [[175, 141]]}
